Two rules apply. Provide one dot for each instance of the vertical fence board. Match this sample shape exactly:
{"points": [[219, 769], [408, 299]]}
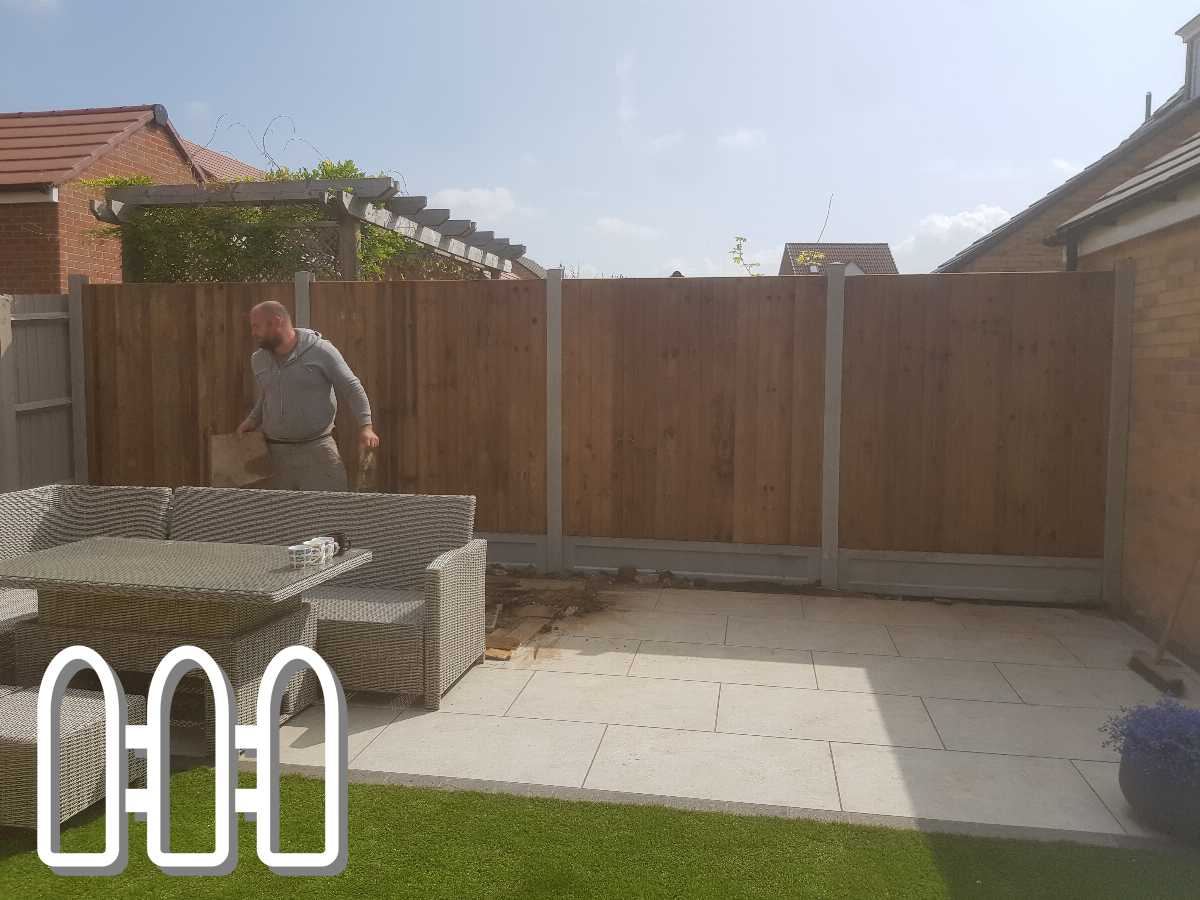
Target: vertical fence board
{"points": [[975, 413]]}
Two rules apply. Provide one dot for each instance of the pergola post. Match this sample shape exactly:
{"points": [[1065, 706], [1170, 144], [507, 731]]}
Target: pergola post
{"points": [[348, 238]]}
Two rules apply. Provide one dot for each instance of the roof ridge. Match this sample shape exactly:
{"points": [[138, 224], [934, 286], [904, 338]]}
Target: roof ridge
{"points": [[146, 107]]}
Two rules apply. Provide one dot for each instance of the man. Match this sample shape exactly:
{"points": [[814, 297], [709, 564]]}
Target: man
{"points": [[298, 373]]}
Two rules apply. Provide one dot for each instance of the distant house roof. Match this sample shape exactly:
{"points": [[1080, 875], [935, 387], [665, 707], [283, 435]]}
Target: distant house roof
{"points": [[56, 146], [219, 167], [873, 259], [1176, 104]]}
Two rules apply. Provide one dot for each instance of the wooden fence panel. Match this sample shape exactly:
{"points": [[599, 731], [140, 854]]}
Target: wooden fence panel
{"points": [[974, 413], [167, 365], [456, 373], [692, 408]]}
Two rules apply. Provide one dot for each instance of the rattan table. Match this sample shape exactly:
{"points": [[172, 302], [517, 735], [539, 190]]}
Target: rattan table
{"points": [[134, 600]]}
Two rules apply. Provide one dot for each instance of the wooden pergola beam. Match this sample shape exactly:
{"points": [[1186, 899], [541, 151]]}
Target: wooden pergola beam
{"points": [[350, 201]]}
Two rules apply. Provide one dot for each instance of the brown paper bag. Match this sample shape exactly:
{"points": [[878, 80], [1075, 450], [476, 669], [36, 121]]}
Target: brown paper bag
{"points": [[238, 460]]}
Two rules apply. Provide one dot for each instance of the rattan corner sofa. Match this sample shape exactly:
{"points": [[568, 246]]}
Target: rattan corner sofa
{"points": [[410, 623]]}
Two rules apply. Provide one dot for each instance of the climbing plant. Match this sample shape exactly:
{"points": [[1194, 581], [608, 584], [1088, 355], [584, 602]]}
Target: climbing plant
{"points": [[264, 243]]}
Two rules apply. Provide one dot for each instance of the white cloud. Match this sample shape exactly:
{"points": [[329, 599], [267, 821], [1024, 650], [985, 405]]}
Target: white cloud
{"points": [[626, 111], [939, 236], [620, 228], [1065, 167], [484, 205], [743, 139], [665, 141], [528, 159]]}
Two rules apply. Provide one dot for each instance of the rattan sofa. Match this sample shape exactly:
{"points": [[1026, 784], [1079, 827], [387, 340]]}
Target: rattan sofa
{"points": [[44, 517], [81, 757], [411, 622]]}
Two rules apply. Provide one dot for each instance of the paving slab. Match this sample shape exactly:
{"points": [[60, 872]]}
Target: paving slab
{"points": [[935, 642], [880, 611], [629, 597], [1102, 776], [825, 716], [619, 700], [302, 737], [1021, 729], [951, 678], [485, 690], [1106, 651], [525, 751], [1057, 686], [969, 787], [576, 653], [1007, 617], [736, 603], [647, 625], [709, 766], [845, 637], [731, 665]]}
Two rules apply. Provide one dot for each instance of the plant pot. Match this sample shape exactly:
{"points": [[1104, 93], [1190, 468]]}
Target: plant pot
{"points": [[1161, 799]]}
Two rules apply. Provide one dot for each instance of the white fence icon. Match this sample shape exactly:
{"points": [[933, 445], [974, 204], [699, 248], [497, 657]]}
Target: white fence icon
{"points": [[260, 802]]}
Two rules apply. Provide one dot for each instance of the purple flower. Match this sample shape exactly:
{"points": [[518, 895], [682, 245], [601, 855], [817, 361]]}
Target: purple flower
{"points": [[1165, 737]]}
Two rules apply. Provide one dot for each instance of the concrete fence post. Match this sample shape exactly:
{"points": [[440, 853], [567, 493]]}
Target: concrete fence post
{"points": [[835, 305], [303, 284], [79, 422], [1118, 430], [10, 473], [554, 442]]}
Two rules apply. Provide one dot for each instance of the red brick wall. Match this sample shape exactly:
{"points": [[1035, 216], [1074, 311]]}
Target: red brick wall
{"points": [[29, 248], [1162, 493], [1022, 249], [149, 152]]}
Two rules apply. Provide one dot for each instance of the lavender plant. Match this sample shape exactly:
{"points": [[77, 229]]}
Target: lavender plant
{"points": [[1163, 737]]}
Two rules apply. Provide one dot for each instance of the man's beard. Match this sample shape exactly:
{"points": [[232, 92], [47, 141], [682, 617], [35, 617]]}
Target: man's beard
{"points": [[270, 343]]}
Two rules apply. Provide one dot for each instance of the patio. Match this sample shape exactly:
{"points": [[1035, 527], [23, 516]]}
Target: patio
{"points": [[967, 717]]}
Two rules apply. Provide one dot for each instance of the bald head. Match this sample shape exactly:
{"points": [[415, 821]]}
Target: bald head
{"points": [[271, 325]]}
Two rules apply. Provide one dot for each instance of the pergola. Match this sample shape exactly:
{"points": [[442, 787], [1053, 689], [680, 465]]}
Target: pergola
{"points": [[349, 202]]}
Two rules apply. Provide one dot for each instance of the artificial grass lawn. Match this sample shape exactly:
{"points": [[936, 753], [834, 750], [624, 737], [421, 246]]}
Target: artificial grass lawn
{"points": [[409, 842]]}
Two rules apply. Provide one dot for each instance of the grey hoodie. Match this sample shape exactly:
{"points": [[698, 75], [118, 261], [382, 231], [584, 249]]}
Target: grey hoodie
{"points": [[296, 400]]}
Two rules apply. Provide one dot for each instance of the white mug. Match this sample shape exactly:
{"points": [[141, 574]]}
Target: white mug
{"points": [[301, 555]]}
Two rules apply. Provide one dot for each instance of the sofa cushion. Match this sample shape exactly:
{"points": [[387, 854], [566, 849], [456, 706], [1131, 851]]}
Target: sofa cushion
{"points": [[16, 604], [405, 532], [354, 603], [43, 517]]}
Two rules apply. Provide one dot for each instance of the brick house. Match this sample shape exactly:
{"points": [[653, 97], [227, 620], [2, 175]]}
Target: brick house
{"points": [[46, 228], [219, 167], [1153, 220], [1019, 244]]}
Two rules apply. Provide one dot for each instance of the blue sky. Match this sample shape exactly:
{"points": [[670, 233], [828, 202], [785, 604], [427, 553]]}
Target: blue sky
{"points": [[635, 138]]}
